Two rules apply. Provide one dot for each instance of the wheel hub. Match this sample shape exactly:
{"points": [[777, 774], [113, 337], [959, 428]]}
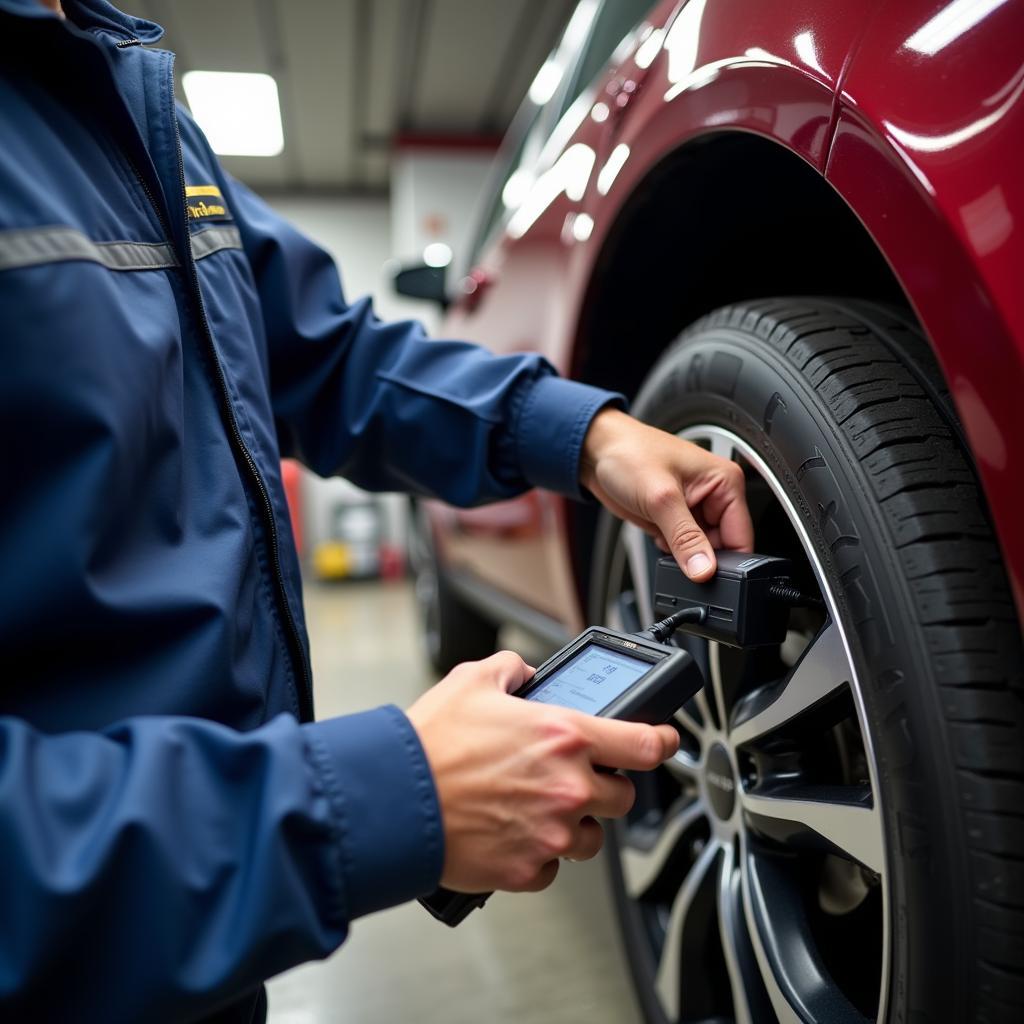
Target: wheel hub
{"points": [[720, 782]]}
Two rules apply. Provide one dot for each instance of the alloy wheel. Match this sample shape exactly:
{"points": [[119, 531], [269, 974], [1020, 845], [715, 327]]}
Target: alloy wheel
{"points": [[753, 865]]}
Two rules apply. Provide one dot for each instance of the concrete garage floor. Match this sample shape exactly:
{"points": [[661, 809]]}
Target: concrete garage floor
{"points": [[549, 958]]}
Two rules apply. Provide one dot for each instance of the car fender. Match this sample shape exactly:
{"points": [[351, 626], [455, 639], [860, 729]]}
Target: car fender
{"points": [[928, 153], [927, 169]]}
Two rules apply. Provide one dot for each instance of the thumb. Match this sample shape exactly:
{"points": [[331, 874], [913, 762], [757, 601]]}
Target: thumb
{"points": [[506, 671], [686, 540]]}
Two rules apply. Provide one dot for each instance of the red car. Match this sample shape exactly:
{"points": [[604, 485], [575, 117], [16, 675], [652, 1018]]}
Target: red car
{"points": [[794, 233]]}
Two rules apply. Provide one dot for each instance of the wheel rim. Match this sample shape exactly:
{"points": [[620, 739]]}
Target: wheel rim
{"points": [[764, 832]]}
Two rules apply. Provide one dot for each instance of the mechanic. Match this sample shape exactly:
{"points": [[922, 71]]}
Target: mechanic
{"points": [[174, 826]]}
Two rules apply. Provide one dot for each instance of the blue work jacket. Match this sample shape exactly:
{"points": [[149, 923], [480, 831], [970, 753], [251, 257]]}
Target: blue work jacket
{"points": [[174, 827]]}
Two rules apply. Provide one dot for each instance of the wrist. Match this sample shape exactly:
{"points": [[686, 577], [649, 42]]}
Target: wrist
{"points": [[604, 428]]}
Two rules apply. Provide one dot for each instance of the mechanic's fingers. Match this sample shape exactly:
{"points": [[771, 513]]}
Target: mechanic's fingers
{"points": [[541, 880], [726, 508], [587, 841], [736, 528], [505, 670], [686, 540], [628, 745], [613, 796]]}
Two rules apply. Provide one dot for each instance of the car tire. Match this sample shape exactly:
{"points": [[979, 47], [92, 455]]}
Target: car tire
{"points": [[841, 405], [452, 631]]}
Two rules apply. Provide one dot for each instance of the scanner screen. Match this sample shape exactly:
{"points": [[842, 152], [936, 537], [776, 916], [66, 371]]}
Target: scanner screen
{"points": [[591, 680]]}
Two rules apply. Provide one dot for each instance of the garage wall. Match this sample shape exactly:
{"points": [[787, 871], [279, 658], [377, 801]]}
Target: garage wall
{"points": [[436, 194]]}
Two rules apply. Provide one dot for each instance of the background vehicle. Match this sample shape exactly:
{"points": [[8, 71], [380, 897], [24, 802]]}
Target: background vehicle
{"points": [[792, 234]]}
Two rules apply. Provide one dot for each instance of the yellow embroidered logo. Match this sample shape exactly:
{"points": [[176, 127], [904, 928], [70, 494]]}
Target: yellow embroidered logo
{"points": [[202, 208]]}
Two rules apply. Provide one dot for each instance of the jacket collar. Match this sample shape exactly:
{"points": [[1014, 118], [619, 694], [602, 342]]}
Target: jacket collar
{"points": [[90, 14]]}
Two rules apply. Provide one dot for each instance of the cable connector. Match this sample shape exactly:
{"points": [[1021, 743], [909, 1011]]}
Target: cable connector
{"points": [[788, 594], [662, 631]]}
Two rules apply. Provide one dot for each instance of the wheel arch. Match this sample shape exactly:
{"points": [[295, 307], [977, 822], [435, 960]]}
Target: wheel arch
{"points": [[726, 217]]}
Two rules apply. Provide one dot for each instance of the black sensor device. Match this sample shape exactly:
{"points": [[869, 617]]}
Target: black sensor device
{"points": [[608, 674], [746, 602]]}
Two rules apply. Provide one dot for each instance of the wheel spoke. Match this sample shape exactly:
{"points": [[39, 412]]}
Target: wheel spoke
{"points": [[748, 996], [799, 987], [685, 718], [822, 670], [700, 698], [853, 828], [669, 976], [641, 868], [623, 613], [683, 767], [637, 553], [717, 688], [785, 1003], [722, 446]]}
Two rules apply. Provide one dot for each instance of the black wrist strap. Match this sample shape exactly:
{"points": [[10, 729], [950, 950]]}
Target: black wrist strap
{"points": [[453, 907]]}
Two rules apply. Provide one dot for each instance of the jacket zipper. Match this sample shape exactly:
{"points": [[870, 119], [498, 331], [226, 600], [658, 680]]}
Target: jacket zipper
{"points": [[305, 689]]}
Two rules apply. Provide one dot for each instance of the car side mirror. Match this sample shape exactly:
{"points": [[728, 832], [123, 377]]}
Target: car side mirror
{"points": [[421, 281]]}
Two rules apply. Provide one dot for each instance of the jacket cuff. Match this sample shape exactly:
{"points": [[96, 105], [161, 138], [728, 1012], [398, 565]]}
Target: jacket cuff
{"points": [[550, 430], [384, 807]]}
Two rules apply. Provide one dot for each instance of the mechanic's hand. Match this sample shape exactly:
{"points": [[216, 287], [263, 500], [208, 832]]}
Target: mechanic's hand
{"points": [[516, 780], [687, 499]]}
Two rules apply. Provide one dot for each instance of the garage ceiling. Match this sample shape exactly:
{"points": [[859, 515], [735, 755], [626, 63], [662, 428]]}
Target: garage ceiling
{"points": [[355, 74]]}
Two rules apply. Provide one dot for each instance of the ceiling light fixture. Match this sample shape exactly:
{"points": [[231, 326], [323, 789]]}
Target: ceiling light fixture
{"points": [[437, 254], [239, 112]]}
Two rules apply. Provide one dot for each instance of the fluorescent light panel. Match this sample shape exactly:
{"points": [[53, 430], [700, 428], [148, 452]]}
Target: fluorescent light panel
{"points": [[239, 112]]}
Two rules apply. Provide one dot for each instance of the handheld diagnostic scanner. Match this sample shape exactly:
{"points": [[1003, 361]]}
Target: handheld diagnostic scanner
{"points": [[641, 677]]}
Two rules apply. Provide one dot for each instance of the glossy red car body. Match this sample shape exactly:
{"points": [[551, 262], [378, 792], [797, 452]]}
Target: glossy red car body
{"points": [[912, 112]]}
